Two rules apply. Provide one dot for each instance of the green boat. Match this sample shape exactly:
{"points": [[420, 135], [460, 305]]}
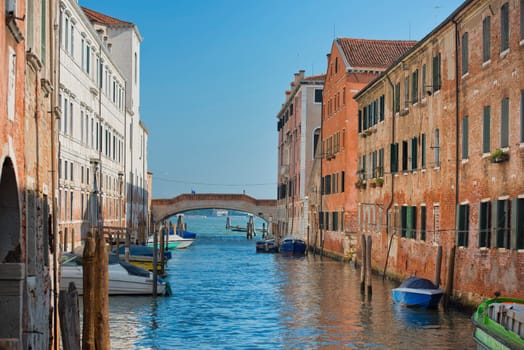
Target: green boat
{"points": [[499, 324]]}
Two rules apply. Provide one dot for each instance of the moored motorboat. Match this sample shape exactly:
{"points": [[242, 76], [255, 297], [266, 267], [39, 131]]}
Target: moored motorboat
{"points": [[142, 256], [499, 324], [417, 292], [292, 246], [266, 246], [173, 241], [124, 278]]}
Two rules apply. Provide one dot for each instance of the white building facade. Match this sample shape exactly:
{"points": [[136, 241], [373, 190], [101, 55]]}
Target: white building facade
{"points": [[124, 40], [92, 131], [299, 136]]}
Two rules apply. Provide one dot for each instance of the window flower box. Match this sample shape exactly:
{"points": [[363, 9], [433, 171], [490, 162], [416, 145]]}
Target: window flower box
{"points": [[499, 156]]}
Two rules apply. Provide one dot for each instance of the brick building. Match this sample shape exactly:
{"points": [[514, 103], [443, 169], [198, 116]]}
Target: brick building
{"points": [[352, 64], [298, 138], [28, 259], [442, 167]]}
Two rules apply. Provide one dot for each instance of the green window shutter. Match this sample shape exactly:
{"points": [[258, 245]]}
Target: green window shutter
{"points": [[414, 154], [513, 224], [519, 222], [504, 27], [486, 39], [414, 222], [522, 104], [465, 131], [423, 151], [486, 132], [465, 53], [504, 123], [457, 225], [494, 217]]}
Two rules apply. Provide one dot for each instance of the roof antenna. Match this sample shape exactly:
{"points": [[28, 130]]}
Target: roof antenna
{"points": [[334, 36]]}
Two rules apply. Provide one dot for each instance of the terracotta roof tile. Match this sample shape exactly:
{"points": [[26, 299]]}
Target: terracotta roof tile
{"points": [[315, 77], [98, 17], [373, 54]]}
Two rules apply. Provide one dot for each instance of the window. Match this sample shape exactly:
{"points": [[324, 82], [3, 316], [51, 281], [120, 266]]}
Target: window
{"points": [[414, 87], [72, 44], [521, 19], [463, 225], [396, 101], [71, 206], [504, 27], [436, 147], [381, 104], [519, 212], [486, 132], [318, 95], [380, 169], [423, 151], [71, 164], [334, 220], [393, 157], [502, 210], [336, 65], [414, 155], [423, 223], [424, 83], [342, 181], [522, 114], [486, 39], [504, 123], [465, 141], [406, 92], [404, 155], [71, 117], [408, 221], [485, 224], [465, 53], [436, 81]]}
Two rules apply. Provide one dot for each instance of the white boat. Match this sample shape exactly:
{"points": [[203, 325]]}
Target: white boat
{"points": [[124, 278], [174, 241]]}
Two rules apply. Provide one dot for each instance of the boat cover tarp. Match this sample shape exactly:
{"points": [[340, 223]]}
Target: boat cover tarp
{"points": [[130, 268], [417, 283]]}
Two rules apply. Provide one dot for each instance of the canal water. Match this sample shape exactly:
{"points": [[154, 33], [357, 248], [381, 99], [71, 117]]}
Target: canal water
{"points": [[226, 296]]}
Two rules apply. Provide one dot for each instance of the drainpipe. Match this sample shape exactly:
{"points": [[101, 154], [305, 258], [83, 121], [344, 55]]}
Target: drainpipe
{"points": [[392, 182], [55, 80], [452, 259]]}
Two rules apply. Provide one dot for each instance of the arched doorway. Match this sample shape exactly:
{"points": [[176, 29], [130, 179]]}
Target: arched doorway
{"points": [[11, 267]]}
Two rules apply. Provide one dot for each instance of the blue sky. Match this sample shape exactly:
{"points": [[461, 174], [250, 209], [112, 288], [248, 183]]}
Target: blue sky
{"points": [[214, 75]]}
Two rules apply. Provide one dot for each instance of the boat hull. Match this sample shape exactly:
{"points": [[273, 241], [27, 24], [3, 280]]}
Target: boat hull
{"points": [[499, 324], [292, 246], [267, 246], [118, 284], [417, 297]]}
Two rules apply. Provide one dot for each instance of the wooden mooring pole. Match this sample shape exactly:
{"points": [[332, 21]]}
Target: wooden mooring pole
{"points": [[363, 265], [449, 281], [368, 266], [438, 265], [101, 295], [69, 318], [155, 262], [88, 266]]}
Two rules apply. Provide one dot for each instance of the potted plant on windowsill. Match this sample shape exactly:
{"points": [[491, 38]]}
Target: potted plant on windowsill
{"points": [[499, 156], [373, 183], [360, 183], [379, 181]]}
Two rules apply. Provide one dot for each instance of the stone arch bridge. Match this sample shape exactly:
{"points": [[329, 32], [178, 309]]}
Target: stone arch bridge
{"points": [[161, 209]]}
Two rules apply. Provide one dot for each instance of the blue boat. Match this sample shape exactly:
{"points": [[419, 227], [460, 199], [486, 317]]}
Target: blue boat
{"points": [[417, 292], [266, 246], [292, 246], [185, 234]]}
